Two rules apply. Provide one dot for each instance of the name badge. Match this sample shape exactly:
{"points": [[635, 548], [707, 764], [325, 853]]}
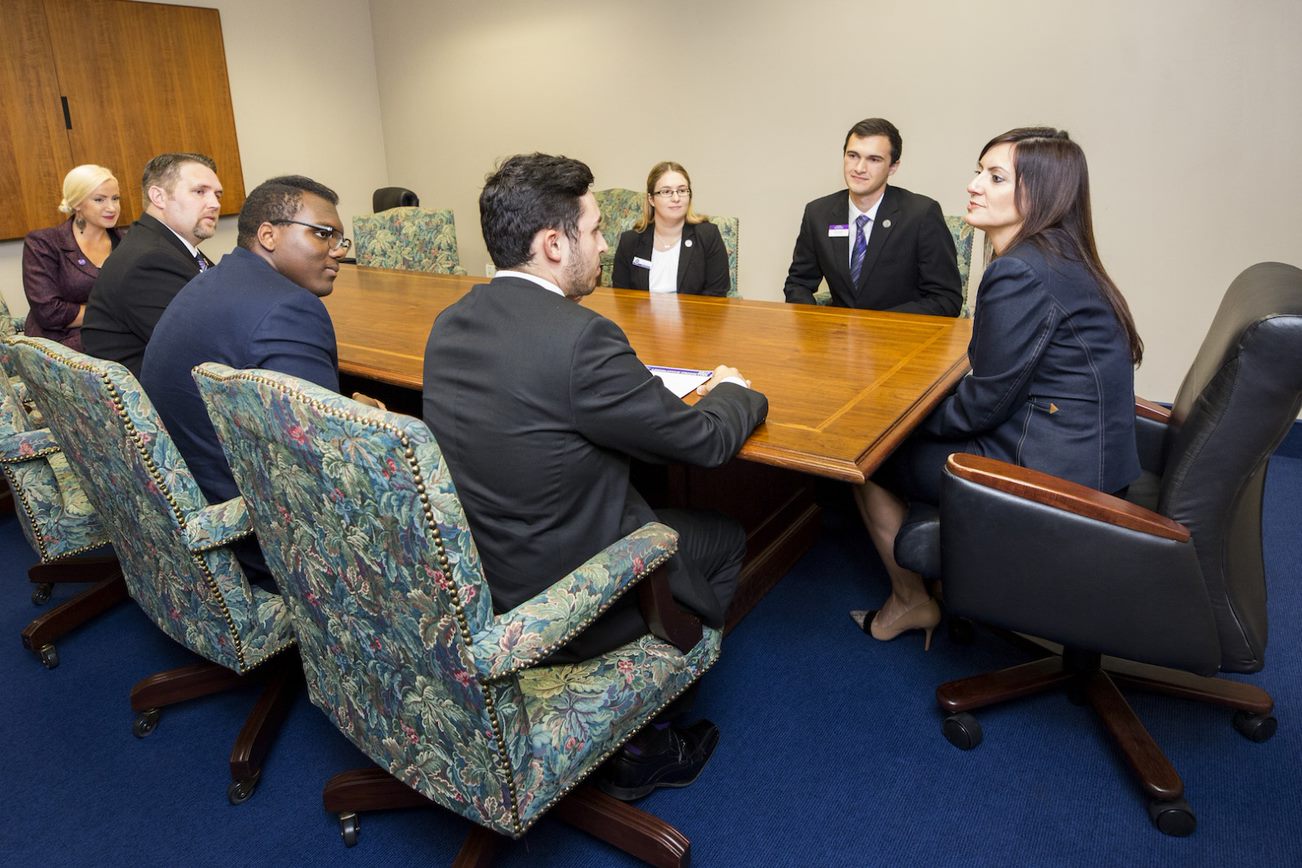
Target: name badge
{"points": [[838, 230], [641, 263]]}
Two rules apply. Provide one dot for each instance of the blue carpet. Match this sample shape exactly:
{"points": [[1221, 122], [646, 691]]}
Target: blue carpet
{"points": [[831, 750]]}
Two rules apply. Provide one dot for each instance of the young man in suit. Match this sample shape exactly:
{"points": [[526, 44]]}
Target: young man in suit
{"points": [[538, 405], [260, 308], [157, 257], [879, 247]]}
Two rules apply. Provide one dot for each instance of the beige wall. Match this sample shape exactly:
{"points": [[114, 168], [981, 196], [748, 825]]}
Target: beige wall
{"points": [[1187, 111], [302, 79]]}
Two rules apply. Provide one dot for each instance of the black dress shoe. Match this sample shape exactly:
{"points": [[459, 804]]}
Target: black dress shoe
{"points": [[632, 774]]}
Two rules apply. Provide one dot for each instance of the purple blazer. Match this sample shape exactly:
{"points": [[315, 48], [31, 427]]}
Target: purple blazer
{"points": [[57, 278]]}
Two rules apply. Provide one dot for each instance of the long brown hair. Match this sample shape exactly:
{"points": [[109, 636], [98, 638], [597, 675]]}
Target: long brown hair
{"points": [[1053, 197], [649, 214]]}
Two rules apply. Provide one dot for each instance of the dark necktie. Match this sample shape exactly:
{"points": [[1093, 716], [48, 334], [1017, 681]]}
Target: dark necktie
{"points": [[203, 263], [860, 248]]}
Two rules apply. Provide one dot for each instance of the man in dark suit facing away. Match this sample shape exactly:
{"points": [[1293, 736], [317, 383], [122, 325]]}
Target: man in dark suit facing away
{"points": [[259, 308], [157, 257], [879, 247], [538, 404]]}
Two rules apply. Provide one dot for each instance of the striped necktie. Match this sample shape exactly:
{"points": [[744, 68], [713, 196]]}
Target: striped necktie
{"points": [[203, 263], [860, 248]]}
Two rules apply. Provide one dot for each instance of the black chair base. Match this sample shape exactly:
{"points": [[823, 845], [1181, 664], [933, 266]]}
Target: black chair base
{"points": [[623, 826], [109, 590], [281, 678], [1090, 678]]}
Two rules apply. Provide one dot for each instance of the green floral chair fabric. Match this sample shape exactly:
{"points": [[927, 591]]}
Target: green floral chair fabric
{"points": [[410, 239], [620, 209], [172, 545], [963, 234], [52, 509], [9, 324], [730, 230], [361, 525]]}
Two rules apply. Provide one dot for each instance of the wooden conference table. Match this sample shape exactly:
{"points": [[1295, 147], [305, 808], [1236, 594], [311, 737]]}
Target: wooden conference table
{"points": [[844, 386]]}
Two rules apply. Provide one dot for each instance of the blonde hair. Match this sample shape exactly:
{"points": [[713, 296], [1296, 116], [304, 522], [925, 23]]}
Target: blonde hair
{"points": [[657, 172], [80, 183]]}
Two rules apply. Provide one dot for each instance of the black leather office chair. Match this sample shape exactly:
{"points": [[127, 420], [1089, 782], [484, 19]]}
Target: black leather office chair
{"points": [[385, 198], [1171, 580]]}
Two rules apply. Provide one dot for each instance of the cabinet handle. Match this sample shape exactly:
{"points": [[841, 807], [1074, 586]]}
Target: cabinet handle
{"points": [[67, 116]]}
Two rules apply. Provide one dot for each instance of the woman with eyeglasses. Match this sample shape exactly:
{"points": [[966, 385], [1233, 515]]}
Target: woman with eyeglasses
{"points": [[1053, 356], [60, 263], [672, 248]]}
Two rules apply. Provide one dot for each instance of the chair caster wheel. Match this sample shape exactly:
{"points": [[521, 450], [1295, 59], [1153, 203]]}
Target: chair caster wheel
{"points": [[1255, 727], [1174, 818], [961, 631], [239, 791], [348, 829], [962, 730], [41, 593], [145, 723], [49, 656]]}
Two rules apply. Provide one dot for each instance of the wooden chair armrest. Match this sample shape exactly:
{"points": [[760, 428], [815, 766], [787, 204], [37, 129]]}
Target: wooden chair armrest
{"points": [[667, 619], [1039, 487], [1146, 409]]}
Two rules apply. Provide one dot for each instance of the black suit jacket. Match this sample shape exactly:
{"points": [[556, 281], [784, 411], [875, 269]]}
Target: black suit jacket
{"points": [[538, 404], [911, 265], [702, 260], [133, 289]]}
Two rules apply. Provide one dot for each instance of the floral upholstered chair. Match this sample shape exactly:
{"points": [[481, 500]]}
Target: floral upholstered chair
{"points": [[9, 324], [408, 239], [174, 547], [59, 523], [361, 525], [730, 230], [620, 209], [963, 234]]}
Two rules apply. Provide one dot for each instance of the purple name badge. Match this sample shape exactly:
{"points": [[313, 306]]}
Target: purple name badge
{"points": [[838, 230]]}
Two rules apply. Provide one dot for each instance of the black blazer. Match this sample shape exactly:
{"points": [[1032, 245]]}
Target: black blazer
{"points": [[702, 260], [133, 289], [538, 404], [911, 265]]}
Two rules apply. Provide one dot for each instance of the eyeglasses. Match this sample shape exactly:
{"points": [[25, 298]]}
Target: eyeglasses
{"points": [[334, 237], [680, 192]]}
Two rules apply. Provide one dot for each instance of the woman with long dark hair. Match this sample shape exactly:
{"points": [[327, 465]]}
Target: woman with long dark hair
{"points": [[1053, 354]]}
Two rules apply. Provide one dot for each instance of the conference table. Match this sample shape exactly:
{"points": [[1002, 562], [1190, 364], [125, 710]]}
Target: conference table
{"points": [[845, 387]]}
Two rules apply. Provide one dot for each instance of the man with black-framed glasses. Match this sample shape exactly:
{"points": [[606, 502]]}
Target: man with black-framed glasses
{"points": [[260, 307]]}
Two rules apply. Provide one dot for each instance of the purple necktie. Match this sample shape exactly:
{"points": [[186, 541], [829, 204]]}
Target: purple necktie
{"points": [[203, 263], [860, 248]]}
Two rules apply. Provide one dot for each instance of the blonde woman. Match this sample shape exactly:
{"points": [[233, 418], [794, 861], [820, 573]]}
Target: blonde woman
{"points": [[60, 264], [672, 248]]}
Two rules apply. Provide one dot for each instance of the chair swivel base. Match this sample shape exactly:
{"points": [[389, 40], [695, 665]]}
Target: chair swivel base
{"points": [[40, 635], [281, 679], [623, 826], [1087, 677]]}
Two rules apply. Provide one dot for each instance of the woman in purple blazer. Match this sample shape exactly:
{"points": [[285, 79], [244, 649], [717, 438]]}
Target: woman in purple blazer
{"points": [[60, 264]]}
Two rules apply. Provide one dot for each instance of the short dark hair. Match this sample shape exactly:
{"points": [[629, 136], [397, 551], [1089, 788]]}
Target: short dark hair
{"points": [[277, 199], [162, 170], [877, 127], [526, 194]]}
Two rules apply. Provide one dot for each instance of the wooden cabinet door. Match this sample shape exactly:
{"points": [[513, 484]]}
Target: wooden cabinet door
{"points": [[143, 79], [34, 150]]}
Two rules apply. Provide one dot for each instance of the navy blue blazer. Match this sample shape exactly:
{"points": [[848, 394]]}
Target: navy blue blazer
{"points": [[702, 260], [245, 314], [910, 266], [1052, 385]]}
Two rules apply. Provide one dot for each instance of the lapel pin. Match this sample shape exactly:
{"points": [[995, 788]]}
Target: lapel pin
{"points": [[886, 224], [687, 243]]}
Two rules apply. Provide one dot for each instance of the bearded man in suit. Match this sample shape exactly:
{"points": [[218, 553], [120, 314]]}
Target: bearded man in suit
{"points": [[538, 405]]}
